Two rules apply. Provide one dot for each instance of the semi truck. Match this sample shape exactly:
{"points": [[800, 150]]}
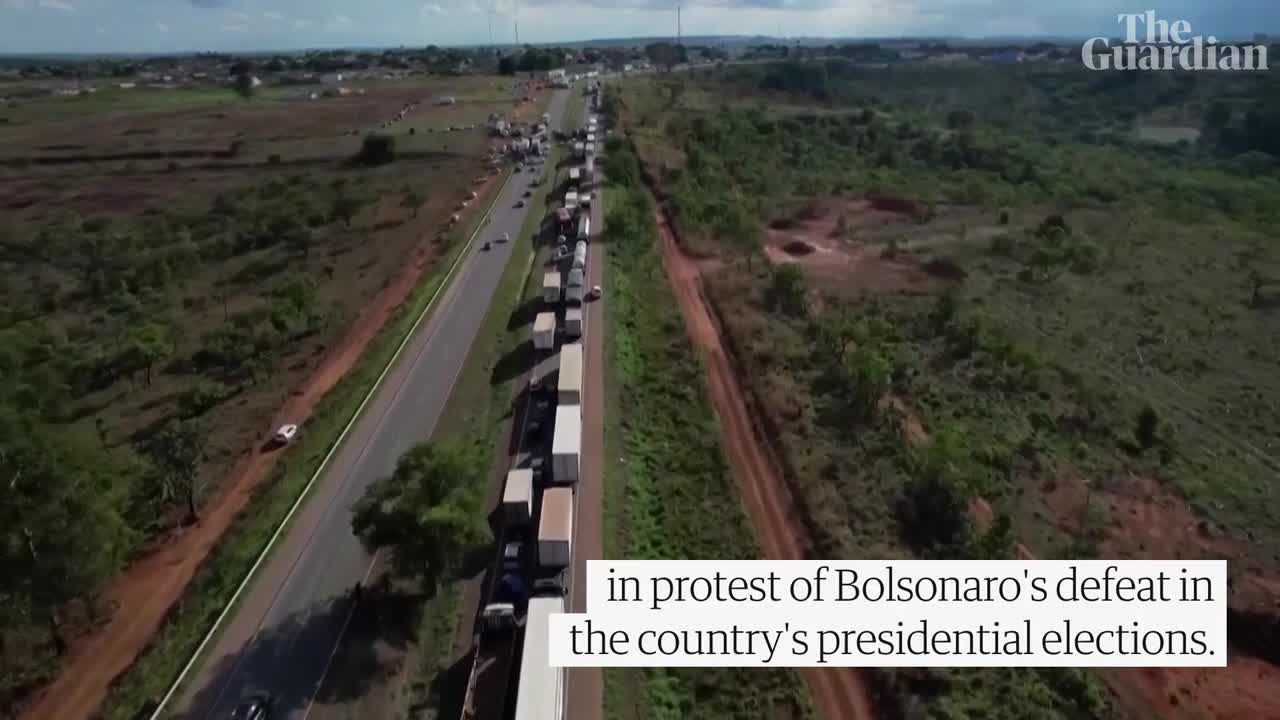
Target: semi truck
{"points": [[575, 291], [569, 384], [540, 690], [517, 497], [571, 200], [551, 287], [580, 255], [584, 228], [566, 444], [573, 322], [579, 149], [555, 527], [574, 174], [544, 331]]}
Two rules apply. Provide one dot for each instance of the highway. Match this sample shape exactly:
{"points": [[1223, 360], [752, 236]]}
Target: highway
{"points": [[287, 626]]}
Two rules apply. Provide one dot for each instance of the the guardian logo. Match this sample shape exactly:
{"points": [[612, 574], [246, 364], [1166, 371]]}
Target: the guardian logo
{"points": [[1168, 46]]}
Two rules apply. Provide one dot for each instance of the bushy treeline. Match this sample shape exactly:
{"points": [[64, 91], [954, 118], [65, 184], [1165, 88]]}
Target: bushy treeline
{"points": [[1240, 112]]}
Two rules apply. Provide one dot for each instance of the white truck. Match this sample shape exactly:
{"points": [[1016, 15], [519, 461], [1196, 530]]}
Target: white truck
{"points": [[589, 168], [580, 255], [540, 689], [555, 527], [574, 174], [544, 331], [591, 149], [576, 291], [579, 149], [584, 228], [551, 287], [517, 497], [571, 200], [566, 445], [573, 322], [569, 380]]}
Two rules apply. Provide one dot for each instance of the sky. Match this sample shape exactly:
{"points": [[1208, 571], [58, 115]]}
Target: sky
{"points": [[152, 26]]}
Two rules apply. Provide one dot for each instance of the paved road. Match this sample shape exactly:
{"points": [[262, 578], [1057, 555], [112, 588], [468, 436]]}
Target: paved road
{"points": [[288, 624]]}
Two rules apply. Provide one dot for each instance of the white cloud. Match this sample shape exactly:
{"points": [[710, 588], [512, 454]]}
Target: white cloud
{"points": [[59, 5], [16, 4], [101, 31], [338, 21], [273, 15], [433, 9], [473, 8], [162, 27], [239, 17], [301, 23]]}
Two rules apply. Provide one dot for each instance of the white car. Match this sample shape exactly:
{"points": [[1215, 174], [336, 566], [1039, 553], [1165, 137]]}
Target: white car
{"points": [[505, 237], [595, 293], [285, 434]]}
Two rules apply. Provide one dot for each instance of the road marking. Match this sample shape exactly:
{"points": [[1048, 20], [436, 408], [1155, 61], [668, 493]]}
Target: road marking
{"points": [[217, 624]]}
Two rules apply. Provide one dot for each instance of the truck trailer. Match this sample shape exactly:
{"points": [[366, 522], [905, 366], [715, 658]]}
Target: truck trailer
{"points": [[580, 255], [584, 228], [517, 497], [544, 331], [566, 445], [573, 322], [540, 689], [551, 287], [569, 382], [555, 527], [575, 291]]}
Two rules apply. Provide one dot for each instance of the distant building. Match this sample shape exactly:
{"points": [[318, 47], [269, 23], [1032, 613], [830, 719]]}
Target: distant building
{"points": [[446, 100], [557, 74], [331, 78]]}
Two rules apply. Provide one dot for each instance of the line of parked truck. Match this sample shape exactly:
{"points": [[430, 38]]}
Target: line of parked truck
{"points": [[538, 499]]}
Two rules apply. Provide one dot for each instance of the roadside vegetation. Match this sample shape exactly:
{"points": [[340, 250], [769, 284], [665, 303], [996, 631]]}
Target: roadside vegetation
{"points": [[173, 279], [972, 329], [674, 497]]}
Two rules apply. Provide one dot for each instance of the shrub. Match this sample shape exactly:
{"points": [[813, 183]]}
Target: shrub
{"points": [[377, 149], [1148, 427], [274, 159], [201, 397]]}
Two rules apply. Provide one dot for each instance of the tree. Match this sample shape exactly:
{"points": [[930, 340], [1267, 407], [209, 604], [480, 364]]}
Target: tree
{"points": [[148, 345], [377, 149], [507, 66], [935, 511], [960, 119], [177, 451], [244, 86], [1218, 115], [663, 54], [344, 207], [60, 532], [425, 513], [1147, 429], [869, 374], [788, 289], [412, 200]]}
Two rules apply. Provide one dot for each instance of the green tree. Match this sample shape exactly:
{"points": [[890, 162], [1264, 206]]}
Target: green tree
{"points": [[1218, 115], [412, 200], [61, 533], [148, 344], [935, 512], [1147, 428], [244, 85], [787, 291], [377, 149], [344, 207], [425, 513], [869, 375], [177, 451]]}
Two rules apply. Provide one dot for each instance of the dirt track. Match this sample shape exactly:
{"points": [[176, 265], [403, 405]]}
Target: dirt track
{"points": [[145, 593], [838, 693]]}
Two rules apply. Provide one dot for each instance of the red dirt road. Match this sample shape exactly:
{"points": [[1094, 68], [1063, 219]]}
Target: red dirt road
{"points": [[145, 593], [838, 693]]}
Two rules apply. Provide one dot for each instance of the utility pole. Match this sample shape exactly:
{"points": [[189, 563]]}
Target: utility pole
{"points": [[679, 29], [517, 22]]}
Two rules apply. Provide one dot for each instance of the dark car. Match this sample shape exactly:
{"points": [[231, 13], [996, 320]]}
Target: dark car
{"points": [[256, 707]]}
